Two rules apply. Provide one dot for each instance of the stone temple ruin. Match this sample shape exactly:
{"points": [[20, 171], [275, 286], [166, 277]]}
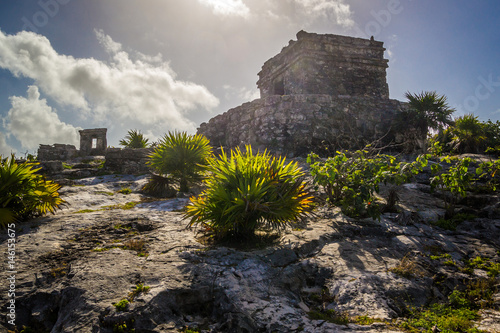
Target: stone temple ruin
{"points": [[93, 146], [320, 91]]}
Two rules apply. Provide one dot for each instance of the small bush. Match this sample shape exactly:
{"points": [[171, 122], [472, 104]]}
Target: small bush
{"points": [[24, 193], [159, 186], [181, 157], [122, 305], [350, 179], [246, 192]]}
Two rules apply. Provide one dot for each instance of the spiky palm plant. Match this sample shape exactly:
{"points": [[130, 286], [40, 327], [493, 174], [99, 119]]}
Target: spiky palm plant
{"points": [[468, 135], [135, 139], [247, 191], [24, 193], [429, 111], [182, 157]]}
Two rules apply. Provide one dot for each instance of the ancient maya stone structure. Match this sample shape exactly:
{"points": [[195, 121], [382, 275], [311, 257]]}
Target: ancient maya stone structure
{"points": [[93, 141], [320, 91]]}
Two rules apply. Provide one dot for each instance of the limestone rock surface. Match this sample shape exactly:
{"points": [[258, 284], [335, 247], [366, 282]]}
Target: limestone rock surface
{"points": [[73, 266]]}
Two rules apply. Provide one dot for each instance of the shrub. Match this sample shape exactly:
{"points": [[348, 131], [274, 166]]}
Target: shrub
{"points": [[246, 191], [181, 156], [457, 180], [350, 179], [159, 186], [134, 139], [24, 194], [470, 135]]}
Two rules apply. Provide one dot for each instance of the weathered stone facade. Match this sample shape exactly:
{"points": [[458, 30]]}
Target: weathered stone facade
{"points": [[56, 152], [297, 124], [326, 65], [321, 92], [93, 142], [128, 160]]}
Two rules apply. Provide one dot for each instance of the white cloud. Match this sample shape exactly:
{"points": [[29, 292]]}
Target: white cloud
{"points": [[243, 93], [332, 9], [122, 91], [5, 149], [33, 122], [227, 7]]}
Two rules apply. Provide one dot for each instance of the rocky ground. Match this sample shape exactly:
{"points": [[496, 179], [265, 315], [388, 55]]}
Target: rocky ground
{"points": [[74, 268]]}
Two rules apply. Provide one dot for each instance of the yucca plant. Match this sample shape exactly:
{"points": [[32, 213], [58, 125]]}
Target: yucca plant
{"points": [[246, 192], [25, 194], [182, 157], [135, 139]]}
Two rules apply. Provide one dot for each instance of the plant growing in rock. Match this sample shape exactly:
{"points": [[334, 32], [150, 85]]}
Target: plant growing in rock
{"points": [[122, 305], [457, 180], [350, 179], [488, 171], [181, 157], [247, 191], [134, 139], [24, 193]]}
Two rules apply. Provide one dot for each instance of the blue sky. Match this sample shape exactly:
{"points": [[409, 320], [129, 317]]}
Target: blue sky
{"points": [[159, 65]]}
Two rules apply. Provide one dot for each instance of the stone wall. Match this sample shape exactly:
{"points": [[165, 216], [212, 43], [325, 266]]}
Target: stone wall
{"points": [[93, 141], [326, 64], [56, 152], [127, 160], [295, 125]]}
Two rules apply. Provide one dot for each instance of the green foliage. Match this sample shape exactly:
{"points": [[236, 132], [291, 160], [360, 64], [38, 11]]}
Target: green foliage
{"points": [[182, 157], [330, 316], [452, 222], [139, 288], [122, 328], [246, 192], [446, 318], [457, 180], [125, 191], [468, 135], [365, 320], [428, 111], [441, 256], [122, 305], [458, 314], [25, 194], [350, 179], [134, 139], [492, 268], [159, 186], [487, 171]]}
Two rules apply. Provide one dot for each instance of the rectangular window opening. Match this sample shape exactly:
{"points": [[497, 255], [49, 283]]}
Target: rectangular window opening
{"points": [[94, 143]]}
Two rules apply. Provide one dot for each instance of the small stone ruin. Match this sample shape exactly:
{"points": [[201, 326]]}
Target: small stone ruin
{"points": [[93, 142], [320, 92], [93, 149]]}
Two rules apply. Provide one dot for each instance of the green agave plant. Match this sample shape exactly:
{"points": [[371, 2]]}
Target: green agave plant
{"points": [[246, 191], [181, 157], [25, 194], [134, 139]]}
